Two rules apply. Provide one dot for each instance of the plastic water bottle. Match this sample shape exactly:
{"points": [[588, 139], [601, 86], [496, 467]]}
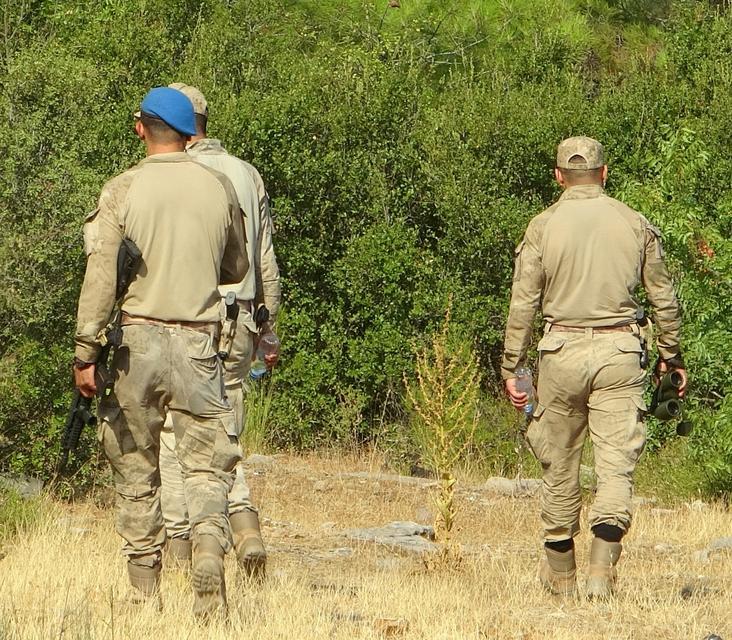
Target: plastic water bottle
{"points": [[269, 344], [525, 384]]}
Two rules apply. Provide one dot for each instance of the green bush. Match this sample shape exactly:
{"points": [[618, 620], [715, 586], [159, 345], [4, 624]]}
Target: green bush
{"points": [[405, 150], [17, 514]]}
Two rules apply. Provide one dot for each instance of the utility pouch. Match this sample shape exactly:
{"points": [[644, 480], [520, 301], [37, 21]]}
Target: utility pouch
{"points": [[644, 353], [228, 330], [104, 380], [644, 327]]}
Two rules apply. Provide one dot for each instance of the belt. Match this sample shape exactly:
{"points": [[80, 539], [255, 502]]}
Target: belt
{"points": [[203, 327], [623, 328]]}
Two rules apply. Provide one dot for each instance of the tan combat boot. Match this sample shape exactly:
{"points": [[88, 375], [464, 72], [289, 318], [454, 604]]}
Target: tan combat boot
{"points": [[178, 553], [145, 582], [604, 556], [209, 587], [558, 572], [250, 552]]}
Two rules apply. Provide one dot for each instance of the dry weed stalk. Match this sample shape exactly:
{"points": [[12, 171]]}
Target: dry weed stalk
{"points": [[445, 401]]}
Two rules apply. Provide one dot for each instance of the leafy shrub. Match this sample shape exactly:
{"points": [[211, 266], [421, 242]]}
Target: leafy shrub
{"points": [[405, 150]]}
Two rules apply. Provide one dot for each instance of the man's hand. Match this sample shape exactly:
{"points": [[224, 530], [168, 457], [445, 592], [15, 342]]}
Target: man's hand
{"points": [[518, 399], [662, 368], [84, 380]]}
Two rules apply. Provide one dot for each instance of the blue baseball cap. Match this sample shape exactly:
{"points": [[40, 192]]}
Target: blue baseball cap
{"points": [[172, 107]]}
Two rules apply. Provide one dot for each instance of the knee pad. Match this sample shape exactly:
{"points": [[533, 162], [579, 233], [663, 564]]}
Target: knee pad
{"points": [[608, 532], [562, 546]]}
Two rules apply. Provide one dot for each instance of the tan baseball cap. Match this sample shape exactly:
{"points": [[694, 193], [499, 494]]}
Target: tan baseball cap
{"points": [[586, 153], [200, 106]]}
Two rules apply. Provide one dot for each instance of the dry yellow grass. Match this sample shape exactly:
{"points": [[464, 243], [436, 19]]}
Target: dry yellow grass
{"points": [[66, 579]]}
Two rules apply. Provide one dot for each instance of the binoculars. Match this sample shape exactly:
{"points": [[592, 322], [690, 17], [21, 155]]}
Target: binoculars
{"points": [[666, 403]]}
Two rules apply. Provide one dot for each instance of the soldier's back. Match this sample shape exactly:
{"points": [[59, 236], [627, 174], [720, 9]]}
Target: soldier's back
{"points": [[178, 213], [591, 252]]}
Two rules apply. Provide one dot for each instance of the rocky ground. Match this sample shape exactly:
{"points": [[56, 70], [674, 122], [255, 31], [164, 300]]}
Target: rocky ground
{"points": [[353, 554]]}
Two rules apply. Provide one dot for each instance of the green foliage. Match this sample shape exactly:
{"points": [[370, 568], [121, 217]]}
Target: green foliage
{"points": [[405, 149], [258, 405], [17, 514]]}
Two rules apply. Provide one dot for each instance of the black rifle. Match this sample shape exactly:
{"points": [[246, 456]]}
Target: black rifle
{"points": [[80, 414], [666, 403]]}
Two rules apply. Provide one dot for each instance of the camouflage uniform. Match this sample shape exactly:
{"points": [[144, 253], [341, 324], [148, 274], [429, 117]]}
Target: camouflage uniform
{"points": [[581, 261], [186, 220], [261, 284]]}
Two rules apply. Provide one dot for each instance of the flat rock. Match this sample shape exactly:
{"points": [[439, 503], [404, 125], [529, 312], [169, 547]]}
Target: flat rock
{"points": [[406, 536], [513, 487], [697, 505], [720, 544], [24, 486], [259, 460], [701, 555], [388, 477]]}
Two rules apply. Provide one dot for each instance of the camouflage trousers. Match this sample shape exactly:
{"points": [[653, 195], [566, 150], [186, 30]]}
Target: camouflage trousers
{"points": [[173, 499], [588, 381], [159, 369]]}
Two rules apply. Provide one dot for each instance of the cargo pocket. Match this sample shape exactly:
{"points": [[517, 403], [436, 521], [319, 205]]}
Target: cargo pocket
{"points": [[636, 429], [136, 339], [201, 377], [630, 350], [517, 260], [92, 243], [114, 434], [549, 344], [196, 441], [628, 343], [201, 351], [535, 440], [227, 452]]}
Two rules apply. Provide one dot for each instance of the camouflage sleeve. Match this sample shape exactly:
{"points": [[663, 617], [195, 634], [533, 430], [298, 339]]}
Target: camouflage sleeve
{"points": [[102, 237], [660, 292], [235, 261], [269, 274], [528, 285]]}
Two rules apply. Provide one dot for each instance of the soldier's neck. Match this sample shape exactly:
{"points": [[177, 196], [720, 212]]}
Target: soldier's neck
{"points": [[156, 148], [585, 183]]}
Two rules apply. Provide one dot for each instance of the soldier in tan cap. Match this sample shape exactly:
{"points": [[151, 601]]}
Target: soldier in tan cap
{"points": [[261, 284], [186, 221], [580, 261]]}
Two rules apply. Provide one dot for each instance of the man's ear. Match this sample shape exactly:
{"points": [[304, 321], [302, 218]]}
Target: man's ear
{"points": [[140, 129], [604, 174], [559, 177]]}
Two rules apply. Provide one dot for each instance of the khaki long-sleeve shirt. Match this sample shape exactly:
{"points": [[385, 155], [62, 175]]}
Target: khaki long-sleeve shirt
{"points": [[580, 261], [262, 281], [186, 221]]}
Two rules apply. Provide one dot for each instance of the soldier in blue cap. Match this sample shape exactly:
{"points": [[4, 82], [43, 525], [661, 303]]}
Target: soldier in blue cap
{"points": [[185, 219]]}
